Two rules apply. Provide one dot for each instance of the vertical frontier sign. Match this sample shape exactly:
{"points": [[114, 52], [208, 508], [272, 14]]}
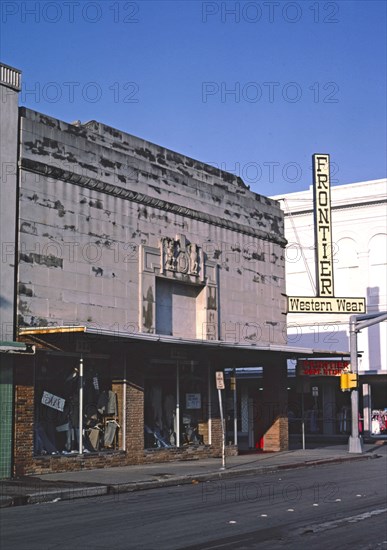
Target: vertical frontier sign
{"points": [[325, 301], [323, 225]]}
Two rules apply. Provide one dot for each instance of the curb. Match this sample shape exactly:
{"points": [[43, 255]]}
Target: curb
{"points": [[47, 495], [88, 490], [199, 478], [5, 502]]}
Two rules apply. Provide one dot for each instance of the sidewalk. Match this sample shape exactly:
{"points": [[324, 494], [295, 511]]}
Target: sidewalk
{"points": [[89, 483]]}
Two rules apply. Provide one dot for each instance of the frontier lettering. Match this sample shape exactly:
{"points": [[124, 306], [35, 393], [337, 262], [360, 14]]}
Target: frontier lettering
{"points": [[323, 223]]}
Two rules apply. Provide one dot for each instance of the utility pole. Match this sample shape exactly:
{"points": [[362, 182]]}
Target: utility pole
{"points": [[356, 324]]}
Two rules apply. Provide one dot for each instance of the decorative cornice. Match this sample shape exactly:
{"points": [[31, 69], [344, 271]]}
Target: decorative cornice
{"points": [[336, 207], [141, 198]]}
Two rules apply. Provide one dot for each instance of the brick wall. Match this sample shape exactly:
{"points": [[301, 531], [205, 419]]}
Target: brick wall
{"points": [[276, 436], [216, 434], [118, 388], [274, 422], [24, 418], [134, 417], [203, 431], [26, 464]]}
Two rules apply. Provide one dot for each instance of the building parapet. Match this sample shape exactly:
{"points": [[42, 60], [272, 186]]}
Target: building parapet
{"points": [[117, 191], [10, 77]]}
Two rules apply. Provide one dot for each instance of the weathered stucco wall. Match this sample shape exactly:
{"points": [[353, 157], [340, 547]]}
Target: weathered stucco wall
{"points": [[8, 195], [95, 204]]}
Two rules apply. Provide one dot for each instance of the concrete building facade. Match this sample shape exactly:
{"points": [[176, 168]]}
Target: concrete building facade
{"points": [[128, 239], [128, 262], [137, 273]]}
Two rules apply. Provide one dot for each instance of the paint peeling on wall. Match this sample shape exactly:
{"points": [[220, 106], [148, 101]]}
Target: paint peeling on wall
{"points": [[96, 194], [48, 261]]}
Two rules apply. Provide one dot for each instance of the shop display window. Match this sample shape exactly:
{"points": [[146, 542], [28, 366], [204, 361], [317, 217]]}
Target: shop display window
{"points": [[379, 422], [167, 395], [193, 406], [57, 398]]}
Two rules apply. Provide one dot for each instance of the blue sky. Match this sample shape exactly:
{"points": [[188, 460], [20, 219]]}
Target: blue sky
{"points": [[254, 87]]}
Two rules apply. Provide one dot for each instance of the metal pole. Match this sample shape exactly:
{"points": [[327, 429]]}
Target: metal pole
{"points": [[303, 417], [80, 427], [355, 443], [356, 324], [177, 405], [124, 407], [223, 467], [235, 411], [209, 405]]}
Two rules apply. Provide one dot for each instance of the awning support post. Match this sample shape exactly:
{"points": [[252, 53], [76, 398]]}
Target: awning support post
{"points": [[80, 435]]}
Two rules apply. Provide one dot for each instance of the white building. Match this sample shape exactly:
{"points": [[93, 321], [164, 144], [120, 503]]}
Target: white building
{"points": [[359, 228]]}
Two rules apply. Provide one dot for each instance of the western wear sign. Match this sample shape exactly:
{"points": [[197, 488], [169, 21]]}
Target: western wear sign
{"points": [[303, 304], [325, 301]]}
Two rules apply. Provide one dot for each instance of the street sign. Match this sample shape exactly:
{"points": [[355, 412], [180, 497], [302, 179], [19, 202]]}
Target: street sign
{"points": [[219, 376]]}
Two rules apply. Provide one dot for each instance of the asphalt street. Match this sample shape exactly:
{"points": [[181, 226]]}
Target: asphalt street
{"points": [[341, 506]]}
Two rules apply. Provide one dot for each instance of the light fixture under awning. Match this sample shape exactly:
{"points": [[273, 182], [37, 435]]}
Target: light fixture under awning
{"points": [[16, 347]]}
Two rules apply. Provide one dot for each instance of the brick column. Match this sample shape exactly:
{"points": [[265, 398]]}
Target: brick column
{"points": [[134, 417], [216, 435], [274, 425], [24, 417], [118, 388]]}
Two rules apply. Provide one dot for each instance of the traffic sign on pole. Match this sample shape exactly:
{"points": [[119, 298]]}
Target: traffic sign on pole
{"points": [[219, 380]]}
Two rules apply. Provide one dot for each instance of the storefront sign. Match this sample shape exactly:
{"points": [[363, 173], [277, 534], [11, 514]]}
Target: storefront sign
{"points": [[53, 401], [323, 225], [324, 301], [321, 367], [193, 401], [303, 304]]}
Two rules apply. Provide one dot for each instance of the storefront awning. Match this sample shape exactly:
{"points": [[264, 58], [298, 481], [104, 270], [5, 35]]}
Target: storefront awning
{"points": [[41, 334], [16, 347]]}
